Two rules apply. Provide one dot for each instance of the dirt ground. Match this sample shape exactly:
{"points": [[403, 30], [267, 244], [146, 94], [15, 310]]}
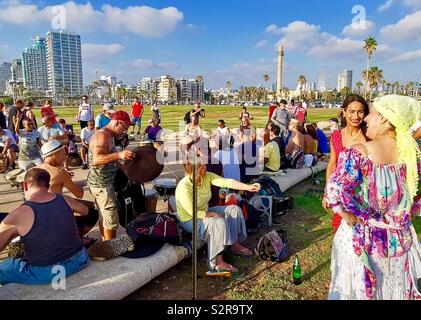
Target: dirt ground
{"points": [[309, 235]]}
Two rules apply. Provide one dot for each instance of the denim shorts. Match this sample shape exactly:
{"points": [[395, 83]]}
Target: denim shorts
{"points": [[20, 271]]}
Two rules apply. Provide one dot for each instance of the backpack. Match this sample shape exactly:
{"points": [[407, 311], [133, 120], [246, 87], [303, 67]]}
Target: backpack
{"points": [[273, 246], [161, 228], [130, 198], [269, 187]]}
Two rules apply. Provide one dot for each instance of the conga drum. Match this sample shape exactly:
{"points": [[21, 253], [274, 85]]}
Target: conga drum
{"points": [[151, 199], [166, 188]]}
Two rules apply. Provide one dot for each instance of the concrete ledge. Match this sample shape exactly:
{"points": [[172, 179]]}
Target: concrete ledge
{"points": [[117, 278], [107, 280]]}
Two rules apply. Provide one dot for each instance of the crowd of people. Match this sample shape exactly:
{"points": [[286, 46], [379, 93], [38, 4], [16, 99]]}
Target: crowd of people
{"points": [[373, 194]]}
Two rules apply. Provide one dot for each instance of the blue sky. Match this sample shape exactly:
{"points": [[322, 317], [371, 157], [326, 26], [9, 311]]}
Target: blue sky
{"points": [[231, 40]]}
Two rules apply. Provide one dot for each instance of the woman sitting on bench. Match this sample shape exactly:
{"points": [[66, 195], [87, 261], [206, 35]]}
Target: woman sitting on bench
{"points": [[219, 226]]}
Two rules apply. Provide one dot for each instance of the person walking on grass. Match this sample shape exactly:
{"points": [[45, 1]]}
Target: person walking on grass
{"points": [[137, 112], [85, 113]]}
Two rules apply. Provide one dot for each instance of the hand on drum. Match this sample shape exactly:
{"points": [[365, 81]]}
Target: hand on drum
{"points": [[255, 187], [126, 155]]}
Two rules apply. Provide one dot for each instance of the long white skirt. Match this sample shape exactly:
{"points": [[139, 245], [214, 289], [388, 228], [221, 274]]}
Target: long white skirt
{"points": [[348, 271]]}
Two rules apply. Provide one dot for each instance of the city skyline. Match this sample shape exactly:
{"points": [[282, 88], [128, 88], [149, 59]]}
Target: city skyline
{"points": [[186, 39]]}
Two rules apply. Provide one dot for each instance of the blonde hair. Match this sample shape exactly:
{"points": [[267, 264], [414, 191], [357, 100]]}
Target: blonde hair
{"points": [[402, 113]]}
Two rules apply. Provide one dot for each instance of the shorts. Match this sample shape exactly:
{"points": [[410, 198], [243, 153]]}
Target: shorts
{"points": [[137, 120], [106, 202]]}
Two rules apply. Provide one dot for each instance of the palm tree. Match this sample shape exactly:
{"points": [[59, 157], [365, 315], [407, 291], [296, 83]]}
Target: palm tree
{"points": [[370, 46], [345, 92], [388, 85], [108, 93], [408, 87], [266, 78], [302, 81], [95, 86], [375, 76], [359, 85], [395, 87]]}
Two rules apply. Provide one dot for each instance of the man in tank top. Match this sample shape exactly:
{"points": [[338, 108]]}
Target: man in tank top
{"points": [[102, 160], [46, 225]]}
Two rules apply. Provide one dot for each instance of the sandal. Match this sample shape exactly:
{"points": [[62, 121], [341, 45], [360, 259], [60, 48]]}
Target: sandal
{"points": [[244, 252], [225, 272]]}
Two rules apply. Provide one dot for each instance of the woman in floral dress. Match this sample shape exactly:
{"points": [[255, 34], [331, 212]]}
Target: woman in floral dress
{"points": [[355, 109], [376, 252]]}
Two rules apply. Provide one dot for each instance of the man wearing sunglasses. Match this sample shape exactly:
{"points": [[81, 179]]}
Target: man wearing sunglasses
{"points": [[102, 160]]}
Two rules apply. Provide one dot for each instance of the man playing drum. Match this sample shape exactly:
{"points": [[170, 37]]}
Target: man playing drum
{"points": [[103, 168]]}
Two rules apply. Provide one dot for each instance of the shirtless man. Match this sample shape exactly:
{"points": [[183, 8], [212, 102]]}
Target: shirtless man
{"points": [[54, 156]]}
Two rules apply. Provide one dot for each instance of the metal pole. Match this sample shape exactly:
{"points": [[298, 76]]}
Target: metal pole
{"points": [[194, 260]]}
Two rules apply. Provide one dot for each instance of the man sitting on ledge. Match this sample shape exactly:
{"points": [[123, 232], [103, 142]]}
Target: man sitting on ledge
{"points": [[48, 231]]}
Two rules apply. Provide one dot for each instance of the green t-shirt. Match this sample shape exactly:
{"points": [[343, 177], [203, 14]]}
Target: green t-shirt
{"points": [[273, 154], [184, 195]]}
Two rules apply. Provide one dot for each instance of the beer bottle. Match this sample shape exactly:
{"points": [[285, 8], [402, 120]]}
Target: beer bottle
{"points": [[296, 271]]}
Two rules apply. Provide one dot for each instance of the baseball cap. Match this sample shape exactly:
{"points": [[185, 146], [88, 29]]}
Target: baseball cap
{"points": [[122, 116], [50, 148], [108, 107]]}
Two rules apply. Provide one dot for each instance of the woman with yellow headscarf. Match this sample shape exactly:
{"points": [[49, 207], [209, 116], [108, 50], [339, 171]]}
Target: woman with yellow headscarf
{"points": [[376, 252]]}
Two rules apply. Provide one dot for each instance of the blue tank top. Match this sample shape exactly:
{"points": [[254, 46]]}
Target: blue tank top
{"points": [[54, 236]]}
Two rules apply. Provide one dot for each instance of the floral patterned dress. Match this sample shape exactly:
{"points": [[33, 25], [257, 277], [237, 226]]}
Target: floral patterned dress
{"points": [[379, 257], [336, 143]]}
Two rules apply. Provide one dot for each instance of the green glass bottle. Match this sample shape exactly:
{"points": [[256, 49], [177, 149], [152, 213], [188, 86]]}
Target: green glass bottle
{"points": [[296, 271]]}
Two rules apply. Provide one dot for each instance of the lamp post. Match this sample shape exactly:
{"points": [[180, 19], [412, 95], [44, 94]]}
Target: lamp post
{"points": [[280, 63], [194, 255]]}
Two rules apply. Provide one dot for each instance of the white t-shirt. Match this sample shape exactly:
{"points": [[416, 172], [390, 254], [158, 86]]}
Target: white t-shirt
{"points": [[223, 131], [230, 162], [85, 112], [87, 134], [6, 136]]}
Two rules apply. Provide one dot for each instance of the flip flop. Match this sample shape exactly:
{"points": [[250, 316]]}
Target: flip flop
{"points": [[226, 272], [244, 252]]}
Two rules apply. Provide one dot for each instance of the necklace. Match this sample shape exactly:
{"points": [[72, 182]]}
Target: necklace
{"points": [[350, 136]]}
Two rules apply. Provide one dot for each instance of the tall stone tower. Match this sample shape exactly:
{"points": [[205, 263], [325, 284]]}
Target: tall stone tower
{"points": [[280, 62]]}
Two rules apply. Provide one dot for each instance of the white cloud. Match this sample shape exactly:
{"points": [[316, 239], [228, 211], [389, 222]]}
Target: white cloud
{"points": [[385, 6], [273, 28], [350, 30], [149, 64], [413, 4], [143, 20], [261, 44], [92, 51], [407, 56], [407, 28], [301, 36]]}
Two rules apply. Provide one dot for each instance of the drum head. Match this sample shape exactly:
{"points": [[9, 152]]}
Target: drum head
{"points": [[145, 167], [166, 183]]}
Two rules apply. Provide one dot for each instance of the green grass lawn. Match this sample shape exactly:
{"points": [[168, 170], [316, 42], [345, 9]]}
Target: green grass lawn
{"points": [[173, 115]]}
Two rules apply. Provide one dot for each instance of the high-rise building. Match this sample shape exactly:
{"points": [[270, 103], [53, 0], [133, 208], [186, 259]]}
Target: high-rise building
{"points": [[17, 71], [5, 74], [64, 63], [322, 83], [345, 80], [148, 87], [34, 65], [167, 89], [189, 90]]}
